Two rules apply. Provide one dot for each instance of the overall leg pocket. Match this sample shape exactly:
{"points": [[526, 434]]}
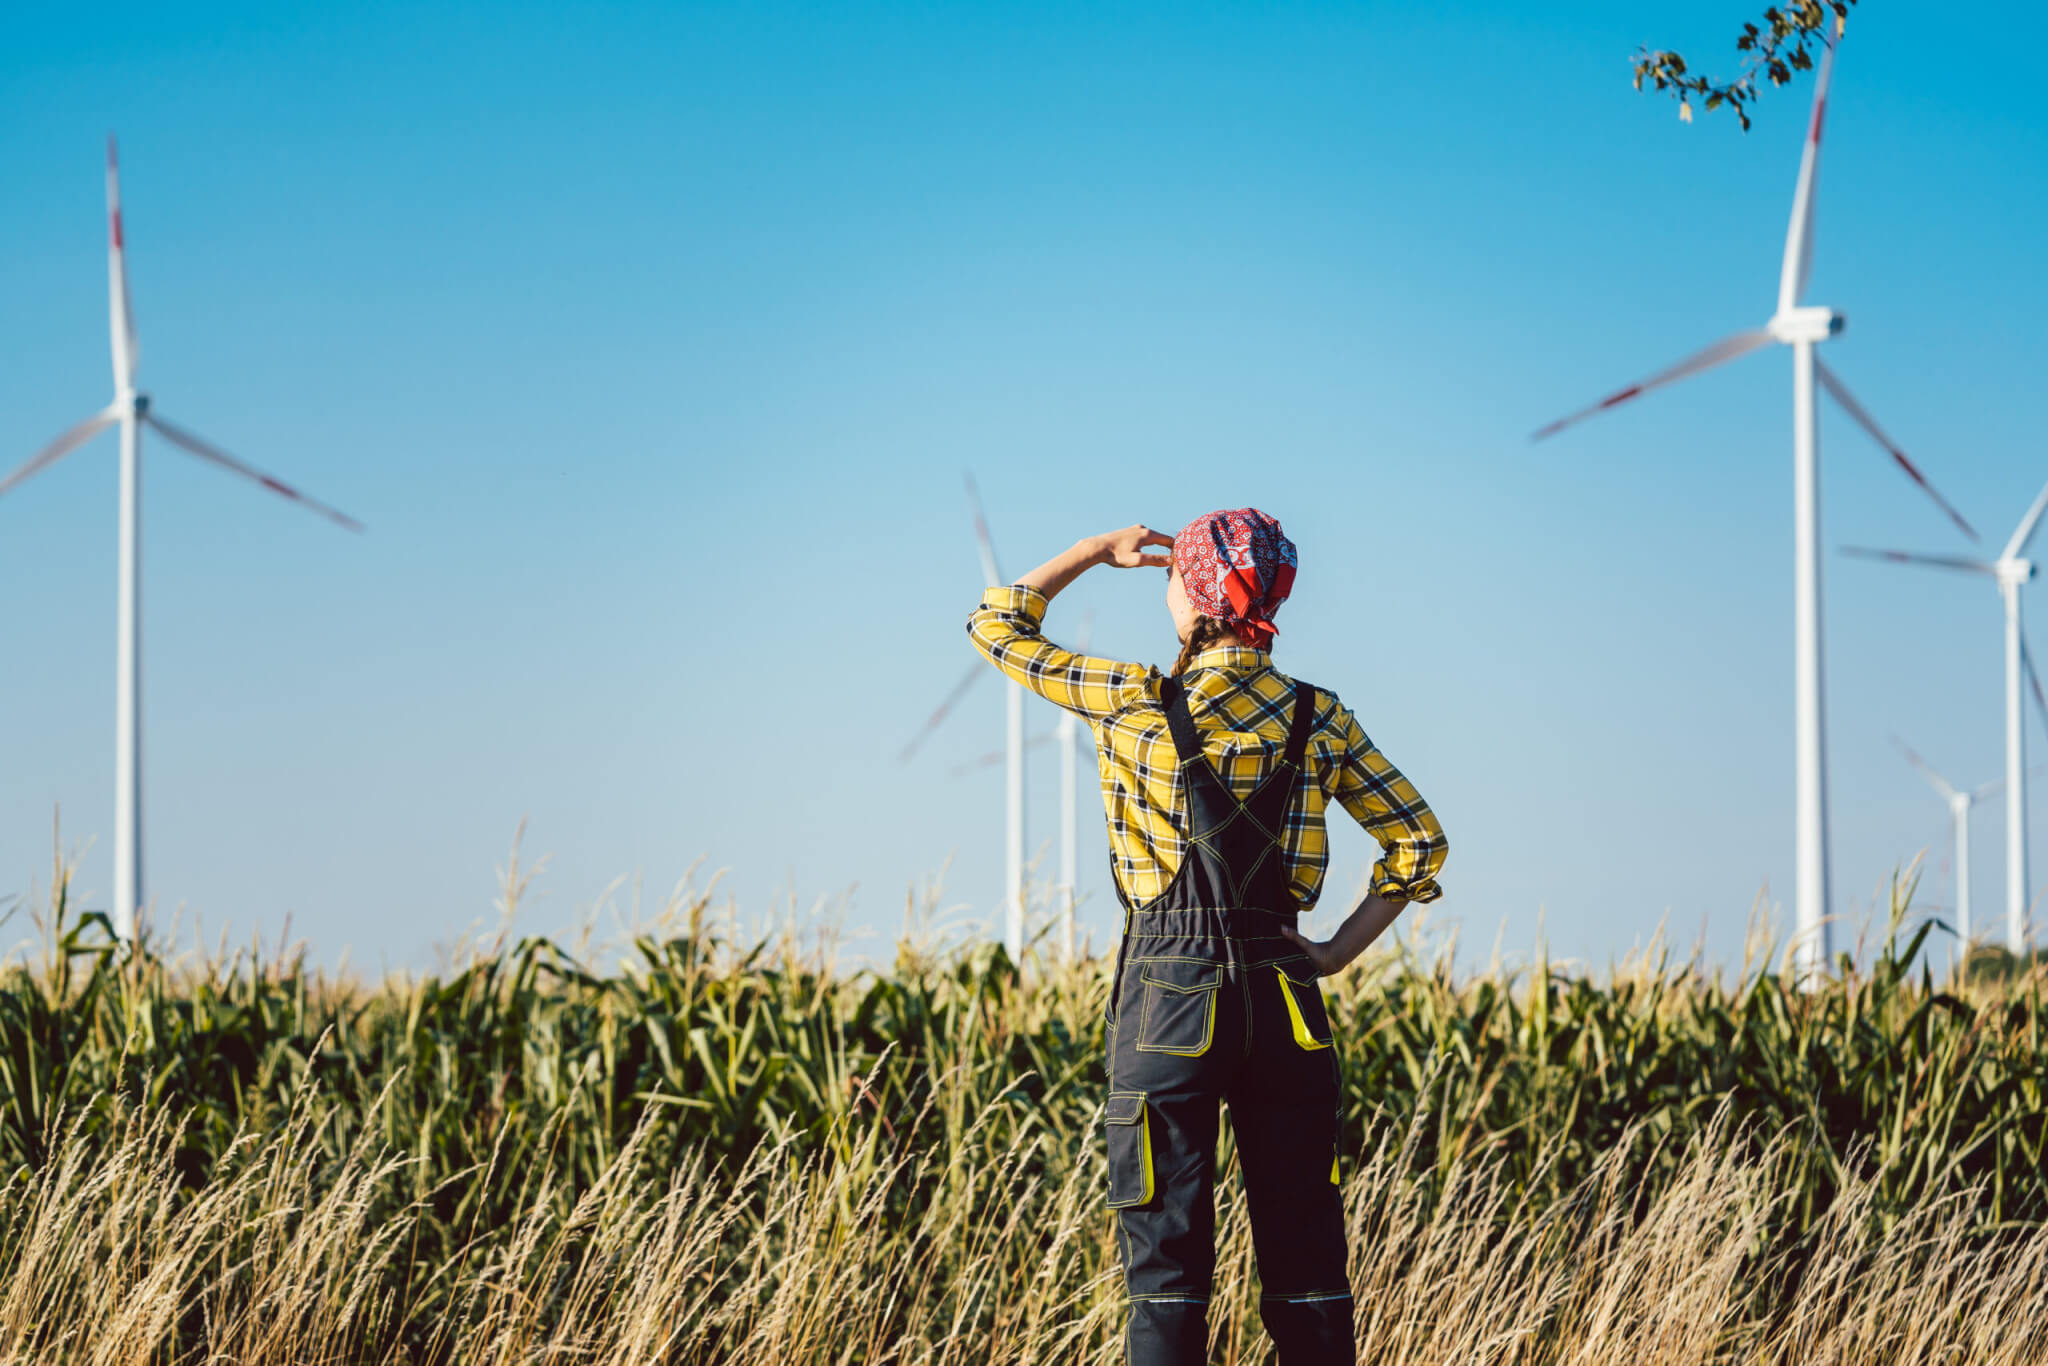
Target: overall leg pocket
{"points": [[1305, 1012], [1129, 1126], [1179, 1012]]}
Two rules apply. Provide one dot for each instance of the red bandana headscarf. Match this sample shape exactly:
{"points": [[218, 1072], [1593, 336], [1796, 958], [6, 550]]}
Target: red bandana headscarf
{"points": [[1237, 567]]}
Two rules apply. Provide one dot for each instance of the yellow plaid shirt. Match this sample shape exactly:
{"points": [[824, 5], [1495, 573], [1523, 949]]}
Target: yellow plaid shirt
{"points": [[1241, 706]]}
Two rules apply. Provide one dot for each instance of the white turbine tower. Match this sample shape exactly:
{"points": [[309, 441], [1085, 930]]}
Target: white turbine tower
{"points": [[1959, 803], [2010, 571], [132, 411], [1799, 328]]}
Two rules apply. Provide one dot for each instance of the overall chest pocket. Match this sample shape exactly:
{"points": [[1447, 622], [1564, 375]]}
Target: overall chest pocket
{"points": [[1178, 1014]]}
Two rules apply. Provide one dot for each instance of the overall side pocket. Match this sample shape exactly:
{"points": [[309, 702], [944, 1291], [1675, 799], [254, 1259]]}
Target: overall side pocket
{"points": [[1129, 1129], [1305, 1010]]}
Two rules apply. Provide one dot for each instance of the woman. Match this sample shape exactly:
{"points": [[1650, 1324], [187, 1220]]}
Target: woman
{"points": [[1215, 780]]}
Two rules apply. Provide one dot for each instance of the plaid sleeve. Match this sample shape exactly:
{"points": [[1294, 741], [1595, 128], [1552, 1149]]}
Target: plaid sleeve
{"points": [[1412, 844], [1005, 628]]}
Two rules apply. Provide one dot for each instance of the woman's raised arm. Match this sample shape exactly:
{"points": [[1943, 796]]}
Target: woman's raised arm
{"points": [[1005, 627]]}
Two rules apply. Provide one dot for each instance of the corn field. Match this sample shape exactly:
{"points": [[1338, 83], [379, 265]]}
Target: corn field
{"points": [[724, 1149]]}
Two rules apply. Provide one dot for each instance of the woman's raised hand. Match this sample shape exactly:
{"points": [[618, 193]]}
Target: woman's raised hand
{"points": [[1126, 548]]}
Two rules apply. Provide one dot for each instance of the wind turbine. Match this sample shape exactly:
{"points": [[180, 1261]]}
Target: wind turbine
{"points": [[2010, 571], [1013, 748], [1959, 804], [1013, 744], [132, 411], [1070, 747], [1067, 736], [1800, 328]]}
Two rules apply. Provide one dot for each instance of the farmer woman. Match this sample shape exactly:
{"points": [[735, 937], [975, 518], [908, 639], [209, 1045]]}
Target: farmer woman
{"points": [[1215, 779]]}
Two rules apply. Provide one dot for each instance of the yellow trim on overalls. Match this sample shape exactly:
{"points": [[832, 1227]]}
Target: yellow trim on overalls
{"points": [[1149, 1185], [1301, 1034], [1145, 1149]]}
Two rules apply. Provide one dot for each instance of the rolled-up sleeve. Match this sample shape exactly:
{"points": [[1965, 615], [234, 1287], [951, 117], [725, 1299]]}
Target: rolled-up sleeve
{"points": [[1412, 844], [1006, 629]]}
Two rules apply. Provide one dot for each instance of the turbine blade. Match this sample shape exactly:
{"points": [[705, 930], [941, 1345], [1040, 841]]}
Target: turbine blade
{"points": [[1833, 384], [997, 756], [988, 760], [2034, 678], [1997, 785], [993, 575], [121, 316], [1721, 352], [1910, 557], [1940, 783], [70, 441], [2029, 524], [1799, 236], [952, 699], [178, 436]]}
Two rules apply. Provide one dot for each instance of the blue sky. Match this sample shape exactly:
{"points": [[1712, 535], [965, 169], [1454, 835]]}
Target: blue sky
{"points": [[651, 342]]}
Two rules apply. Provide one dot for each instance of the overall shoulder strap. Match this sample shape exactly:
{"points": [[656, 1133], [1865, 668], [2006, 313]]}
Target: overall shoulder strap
{"points": [[1174, 695], [1304, 721]]}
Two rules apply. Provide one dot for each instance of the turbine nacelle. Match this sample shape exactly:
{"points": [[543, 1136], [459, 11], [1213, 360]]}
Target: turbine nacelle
{"points": [[1807, 324], [2012, 572]]}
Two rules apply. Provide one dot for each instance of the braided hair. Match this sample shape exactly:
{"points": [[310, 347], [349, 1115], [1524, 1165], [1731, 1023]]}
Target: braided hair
{"points": [[1208, 631]]}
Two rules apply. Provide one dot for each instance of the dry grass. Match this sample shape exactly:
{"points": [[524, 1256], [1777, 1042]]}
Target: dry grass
{"points": [[108, 1258], [731, 1152]]}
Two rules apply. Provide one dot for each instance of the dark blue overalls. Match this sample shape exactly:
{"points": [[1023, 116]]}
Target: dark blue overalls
{"points": [[1212, 1004]]}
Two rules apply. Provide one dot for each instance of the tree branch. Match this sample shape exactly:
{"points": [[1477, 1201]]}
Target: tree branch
{"points": [[1780, 45]]}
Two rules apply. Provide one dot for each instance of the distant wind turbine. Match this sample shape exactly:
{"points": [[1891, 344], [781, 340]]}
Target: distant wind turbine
{"points": [[1959, 803], [1013, 747], [2010, 571], [1067, 736], [1070, 747], [1013, 742], [132, 411], [1800, 328]]}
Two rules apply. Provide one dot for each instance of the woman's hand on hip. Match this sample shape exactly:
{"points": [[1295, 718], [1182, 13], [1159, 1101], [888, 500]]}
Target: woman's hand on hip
{"points": [[1329, 960], [1367, 922]]}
